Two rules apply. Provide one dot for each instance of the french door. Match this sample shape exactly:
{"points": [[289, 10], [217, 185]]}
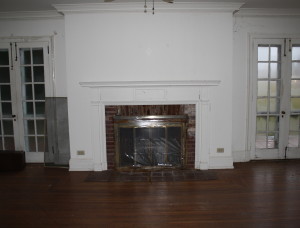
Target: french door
{"points": [[276, 98], [24, 69]]}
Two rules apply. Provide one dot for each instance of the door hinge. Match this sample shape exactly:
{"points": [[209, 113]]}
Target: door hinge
{"points": [[11, 57], [48, 50], [285, 150], [16, 51], [284, 47]]}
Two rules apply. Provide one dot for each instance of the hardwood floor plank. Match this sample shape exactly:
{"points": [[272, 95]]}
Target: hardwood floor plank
{"points": [[254, 194]]}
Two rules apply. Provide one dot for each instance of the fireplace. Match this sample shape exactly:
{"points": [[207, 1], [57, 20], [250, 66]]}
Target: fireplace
{"points": [[148, 116], [115, 93], [150, 141]]}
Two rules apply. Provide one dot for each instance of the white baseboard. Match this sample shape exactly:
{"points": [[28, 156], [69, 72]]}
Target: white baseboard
{"points": [[201, 165], [221, 162], [34, 157], [241, 156], [77, 164], [100, 166]]}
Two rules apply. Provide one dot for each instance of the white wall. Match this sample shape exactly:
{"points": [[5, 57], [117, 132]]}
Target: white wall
{"points": [[164, 46], [144, 47], [244, 27], [46, 28]]}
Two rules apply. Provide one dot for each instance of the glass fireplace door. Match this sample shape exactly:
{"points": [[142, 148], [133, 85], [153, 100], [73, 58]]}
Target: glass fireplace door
{"points": [[151, 145]]}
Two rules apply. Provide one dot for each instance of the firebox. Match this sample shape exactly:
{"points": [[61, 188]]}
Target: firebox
{"points": [[150, 141]]}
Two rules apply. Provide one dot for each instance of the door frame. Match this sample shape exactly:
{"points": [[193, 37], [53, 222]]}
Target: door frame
{"points": [[252, 79]]}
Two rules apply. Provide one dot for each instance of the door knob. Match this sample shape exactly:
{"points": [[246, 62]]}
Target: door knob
{"points": [[282, 113]]}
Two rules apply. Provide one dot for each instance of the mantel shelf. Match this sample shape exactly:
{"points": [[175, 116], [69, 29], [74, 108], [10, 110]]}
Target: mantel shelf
{"points": [[135, 84], [228, 7]]}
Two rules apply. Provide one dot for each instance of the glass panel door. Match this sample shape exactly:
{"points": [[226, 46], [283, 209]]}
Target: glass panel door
{"points": [[268, 96], [32, 73], [7, 139], [24, 68], [294, 118], [33, 98], [277, 99], [268, 91]]}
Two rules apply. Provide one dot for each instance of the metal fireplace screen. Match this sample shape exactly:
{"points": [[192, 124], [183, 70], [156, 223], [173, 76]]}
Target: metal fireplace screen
{"points": [[150, 141]]}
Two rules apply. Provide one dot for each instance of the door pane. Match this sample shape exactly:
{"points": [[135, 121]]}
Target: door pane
{"points": [[262, 105], [25, 55], [4, 75], [29, 127], [40, 108], [294, 133], [39, 92], [262, 88], [6, 109], [275, 70], [275, 53], [41, 143], [30, 144], [295, 88], [294, 123], [263, 53], [9, 143], [261, 141], [273, 140], [38, 56], [274, 88], [261, 123], [296, 52], [294, 139], [38, 72], [8, 127], [26, 74], [295, 104], [4, 57], [296, 70], [40, 127], [274, 105], [28, 108], [5, 92], [263, 70], [273, 123], [28, 92]]}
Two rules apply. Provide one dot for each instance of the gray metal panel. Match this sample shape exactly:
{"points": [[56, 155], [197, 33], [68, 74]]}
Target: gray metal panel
{"points": [[58, 131]]}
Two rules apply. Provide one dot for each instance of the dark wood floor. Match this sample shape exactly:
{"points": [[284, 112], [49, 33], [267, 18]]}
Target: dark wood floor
{"points": [[254, 194]]}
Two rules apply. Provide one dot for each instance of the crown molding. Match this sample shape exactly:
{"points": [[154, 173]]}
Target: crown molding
{"points": [[139, 7], [52, 14], [193, 83], [253, 12]]}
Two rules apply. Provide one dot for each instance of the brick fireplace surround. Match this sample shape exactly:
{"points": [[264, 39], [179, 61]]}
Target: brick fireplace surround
{"points": [[194, 96], [189, 110]]}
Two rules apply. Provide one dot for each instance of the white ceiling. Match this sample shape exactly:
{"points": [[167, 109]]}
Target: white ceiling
{"points": [[42, 5]]}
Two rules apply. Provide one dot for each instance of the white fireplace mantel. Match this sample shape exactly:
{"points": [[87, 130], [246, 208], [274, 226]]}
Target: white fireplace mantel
{"points": [[150, 93]]}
